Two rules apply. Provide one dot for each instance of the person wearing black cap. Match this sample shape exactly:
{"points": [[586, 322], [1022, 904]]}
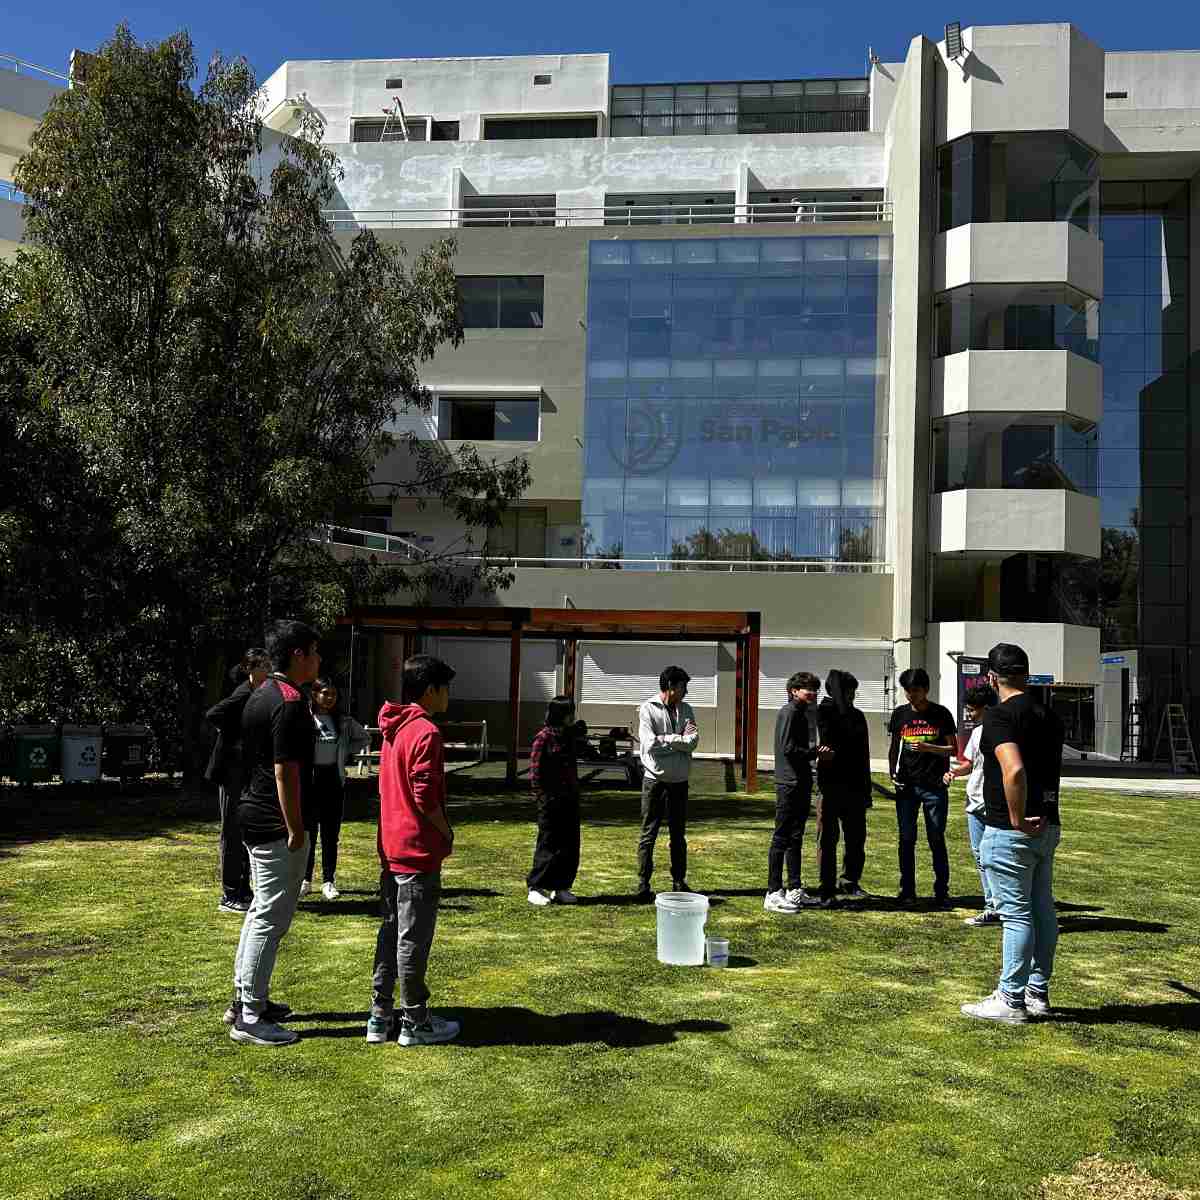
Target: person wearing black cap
{"points": [[845, 782], [1022, 744]]}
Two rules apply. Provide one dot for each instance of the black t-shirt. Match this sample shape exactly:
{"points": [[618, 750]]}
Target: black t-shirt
{"points": [[276, 727], [1038, 734], [935, 724]]}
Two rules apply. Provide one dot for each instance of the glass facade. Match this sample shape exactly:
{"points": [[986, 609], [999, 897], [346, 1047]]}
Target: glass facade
{"points": [[1018, 177], [704, 109], [736, 401], [1014, 450], [1031, 317]]}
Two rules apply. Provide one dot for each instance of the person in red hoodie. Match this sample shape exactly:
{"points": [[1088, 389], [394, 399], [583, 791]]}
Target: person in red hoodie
{"points": [[414, 839]]}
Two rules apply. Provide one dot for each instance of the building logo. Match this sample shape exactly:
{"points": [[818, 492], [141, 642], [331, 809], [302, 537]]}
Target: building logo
{"points": [[653, 437]]}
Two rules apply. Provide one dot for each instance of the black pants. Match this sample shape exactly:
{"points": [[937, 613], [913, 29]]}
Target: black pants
{"points": [[556, 853], [663, 801], [323, 812], [232, 860], [793, 806], [849, 814]]}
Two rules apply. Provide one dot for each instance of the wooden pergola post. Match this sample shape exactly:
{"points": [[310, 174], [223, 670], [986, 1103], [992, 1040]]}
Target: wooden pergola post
{"points": [[514, 700], [753, 654], [739, 705], [570, 667]]}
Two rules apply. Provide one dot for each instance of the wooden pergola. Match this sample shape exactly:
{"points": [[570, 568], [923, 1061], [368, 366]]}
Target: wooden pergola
{"points": [[574, 625]]}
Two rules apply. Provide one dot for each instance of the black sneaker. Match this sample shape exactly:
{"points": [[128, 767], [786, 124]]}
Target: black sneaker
{"points": [[907, 899], [644, 895], [241, 907], [852, 891], [681, 885], [942, 900], [827, 902], [273, 1012]]}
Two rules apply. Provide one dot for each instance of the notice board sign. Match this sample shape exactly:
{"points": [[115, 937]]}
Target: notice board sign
{"points": [[971, 671]]}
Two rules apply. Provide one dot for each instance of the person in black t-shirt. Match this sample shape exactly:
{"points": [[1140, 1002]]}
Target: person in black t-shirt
{"points": [[1021, 743], [277, 751], [922, 743]]}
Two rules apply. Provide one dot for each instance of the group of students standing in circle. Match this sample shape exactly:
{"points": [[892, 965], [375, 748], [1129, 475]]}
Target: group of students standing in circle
{"points": [[1014, 793]]}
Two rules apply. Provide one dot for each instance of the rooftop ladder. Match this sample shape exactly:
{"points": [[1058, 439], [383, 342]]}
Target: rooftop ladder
{"points": [[1174, 729], [394, 114]]}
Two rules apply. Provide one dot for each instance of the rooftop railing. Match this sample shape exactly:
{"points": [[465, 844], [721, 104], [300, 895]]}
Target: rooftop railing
{"points": [[10, 191], [9, 62], [805, 566], [367, 539], [795, 212]]}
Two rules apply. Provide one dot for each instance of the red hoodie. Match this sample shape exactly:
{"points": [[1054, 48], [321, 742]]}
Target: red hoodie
{"points": [[412, 784]]}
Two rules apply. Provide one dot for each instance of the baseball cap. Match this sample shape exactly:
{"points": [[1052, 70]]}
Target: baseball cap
{"points": [[1006, 659]]}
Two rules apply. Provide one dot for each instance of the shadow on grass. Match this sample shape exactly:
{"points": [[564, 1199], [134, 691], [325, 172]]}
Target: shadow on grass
{"points": [[1085, 924], [510, 1026], [1173, 1015]]}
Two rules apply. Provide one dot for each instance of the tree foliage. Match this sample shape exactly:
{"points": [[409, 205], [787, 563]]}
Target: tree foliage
{"points": [[192, 378]]}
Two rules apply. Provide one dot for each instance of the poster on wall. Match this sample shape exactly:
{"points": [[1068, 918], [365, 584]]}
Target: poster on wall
{"points": [[971, 672]]}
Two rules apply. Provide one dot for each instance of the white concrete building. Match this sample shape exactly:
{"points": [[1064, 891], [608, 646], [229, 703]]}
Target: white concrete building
{"points": [[907, 362]]}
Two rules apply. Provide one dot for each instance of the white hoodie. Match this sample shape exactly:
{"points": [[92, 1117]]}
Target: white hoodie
{"points": [[666, 752]]}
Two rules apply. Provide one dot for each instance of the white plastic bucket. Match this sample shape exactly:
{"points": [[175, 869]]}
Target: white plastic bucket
{"points": [[718, 951], [681, 917]]}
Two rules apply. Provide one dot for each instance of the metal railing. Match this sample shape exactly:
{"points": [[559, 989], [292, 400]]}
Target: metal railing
{"points": [[9, 62], [389, 543], [810, 566], [797, 212], [10, 191]]}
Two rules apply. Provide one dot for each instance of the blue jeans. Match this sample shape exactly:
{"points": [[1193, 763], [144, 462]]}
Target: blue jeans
{"points": [[935, 802], [1021, 870], [975, 828]]}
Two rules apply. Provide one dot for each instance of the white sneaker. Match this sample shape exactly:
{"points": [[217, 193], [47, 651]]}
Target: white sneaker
{"points": [[778, 902], [802, 898], [435, 1029], [996, 1008], [538, 898], [329, 891], [1037, 1006], [565, 896], [305, 887]]}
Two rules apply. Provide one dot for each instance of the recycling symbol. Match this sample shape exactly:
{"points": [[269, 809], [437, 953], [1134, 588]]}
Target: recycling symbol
{"points": [[88, 755], [37, 756]]}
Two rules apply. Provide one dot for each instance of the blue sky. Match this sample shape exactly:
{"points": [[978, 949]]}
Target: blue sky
{"points": [[699, 39]]}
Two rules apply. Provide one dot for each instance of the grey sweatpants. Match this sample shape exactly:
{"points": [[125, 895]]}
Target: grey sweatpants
{"points": [[409, 906], [276, 873]]}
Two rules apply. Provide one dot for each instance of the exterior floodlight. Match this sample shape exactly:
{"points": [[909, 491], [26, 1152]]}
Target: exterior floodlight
{"points": [[954, 43]]}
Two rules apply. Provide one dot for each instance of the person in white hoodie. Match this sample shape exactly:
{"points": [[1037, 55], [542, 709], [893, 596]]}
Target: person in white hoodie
{"points": [[667, 739]]}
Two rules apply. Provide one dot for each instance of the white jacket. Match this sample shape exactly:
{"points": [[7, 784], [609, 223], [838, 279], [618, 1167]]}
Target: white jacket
{"points": [[666, 752]]}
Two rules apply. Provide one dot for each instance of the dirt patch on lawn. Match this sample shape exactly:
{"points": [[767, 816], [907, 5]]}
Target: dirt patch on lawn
{"points": [[24, 955], [1097, 1179]]}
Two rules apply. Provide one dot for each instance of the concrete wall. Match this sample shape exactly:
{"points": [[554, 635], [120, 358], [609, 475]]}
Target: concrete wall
{"points": [[580, 171], [909, 155], [12, 227], [447, 89], [1020, 252], [1154, 79], [23, 102], [1024, 77], [1017, 381], [998, 521]]}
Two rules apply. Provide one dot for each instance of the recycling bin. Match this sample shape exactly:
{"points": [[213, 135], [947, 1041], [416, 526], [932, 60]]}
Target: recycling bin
{"points": [[35, 753], [125, 748], [81, 753]]}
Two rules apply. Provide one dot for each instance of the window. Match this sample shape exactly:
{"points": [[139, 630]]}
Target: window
{"points": [[394, 83], [445, 131], [488, 420], [509, 210], [520, 534], [795, 106], [534, 128], [501, 301], [541, 80], [1029, 317], [389, 129], [682, 208]]}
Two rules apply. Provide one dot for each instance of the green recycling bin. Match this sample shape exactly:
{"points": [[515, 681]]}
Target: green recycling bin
{"points": [[35, 757], [125, 749], [81, 753]]}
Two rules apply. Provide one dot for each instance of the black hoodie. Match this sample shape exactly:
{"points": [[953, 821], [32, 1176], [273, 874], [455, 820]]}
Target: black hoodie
{"points": [[843, 729]]}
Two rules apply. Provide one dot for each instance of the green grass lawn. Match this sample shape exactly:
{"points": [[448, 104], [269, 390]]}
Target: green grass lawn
{"points": [[829, 1061]]}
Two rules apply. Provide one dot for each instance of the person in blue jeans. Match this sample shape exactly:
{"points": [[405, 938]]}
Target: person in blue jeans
{"points": [[976, 701], [1022, 744], [922, 743]]}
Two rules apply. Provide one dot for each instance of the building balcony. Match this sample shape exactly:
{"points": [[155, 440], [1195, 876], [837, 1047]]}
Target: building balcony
{"points": [[1067, 653], [25, 93], [12, 223], [1017, 381], [1000, 521], [1019, 252], [809, 212]]}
